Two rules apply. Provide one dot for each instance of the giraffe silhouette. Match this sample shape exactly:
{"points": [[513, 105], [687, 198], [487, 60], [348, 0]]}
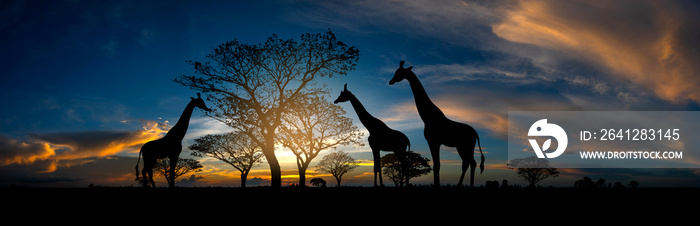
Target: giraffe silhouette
{"points": [[381, 137], [168, 146], [439, 130]]}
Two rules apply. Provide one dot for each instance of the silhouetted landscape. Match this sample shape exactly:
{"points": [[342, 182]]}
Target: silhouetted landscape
{"points": [[238, 94]]}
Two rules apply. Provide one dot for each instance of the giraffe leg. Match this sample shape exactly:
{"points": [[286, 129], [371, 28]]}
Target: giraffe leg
{"points": [[465, 163], [404, 165], [147, 171], [467, 155], [377, 168], [150, 177], [435, 153], [464, 170], [472, 166], [144, 179], [171, 180]]}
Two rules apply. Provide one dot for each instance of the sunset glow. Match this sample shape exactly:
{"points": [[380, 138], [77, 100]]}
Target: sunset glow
{"points": [[87, 84]]}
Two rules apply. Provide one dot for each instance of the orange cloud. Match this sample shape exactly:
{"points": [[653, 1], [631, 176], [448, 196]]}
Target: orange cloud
{"points": [[13, 151], [74, 148], [639, 41], [481, 118], [457, 110]]}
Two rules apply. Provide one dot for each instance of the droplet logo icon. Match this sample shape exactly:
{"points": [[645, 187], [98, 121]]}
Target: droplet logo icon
{"points": [[542, 128]]}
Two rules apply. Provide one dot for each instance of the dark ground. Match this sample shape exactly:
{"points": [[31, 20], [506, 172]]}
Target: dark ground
{"points": [[350, 205], [413, 195]]}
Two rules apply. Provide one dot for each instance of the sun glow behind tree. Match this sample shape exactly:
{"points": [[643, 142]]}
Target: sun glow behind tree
{"points": [[252, 86]]}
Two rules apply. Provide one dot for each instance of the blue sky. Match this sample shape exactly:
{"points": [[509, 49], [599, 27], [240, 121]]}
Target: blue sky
{"points": [[85, 83]]}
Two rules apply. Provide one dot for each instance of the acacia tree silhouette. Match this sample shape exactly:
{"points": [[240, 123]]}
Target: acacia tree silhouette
{"points": [[337, 164], [315, 125], [417, 166], [233, 148], [182, 167], [318, 182], [533, 169], [253, 85]]}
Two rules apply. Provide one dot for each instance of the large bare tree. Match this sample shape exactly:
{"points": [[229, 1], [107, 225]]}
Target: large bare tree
{"points": [[314, 125], [252, 85]]}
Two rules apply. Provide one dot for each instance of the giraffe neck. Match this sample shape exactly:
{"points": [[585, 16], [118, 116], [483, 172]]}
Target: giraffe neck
{"points": [[427, 110], [180, 128], [369, 121]]}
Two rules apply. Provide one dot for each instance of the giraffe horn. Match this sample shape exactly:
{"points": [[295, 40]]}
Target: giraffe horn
{"points": [[198, 95], [401, 63], [345, 87]]}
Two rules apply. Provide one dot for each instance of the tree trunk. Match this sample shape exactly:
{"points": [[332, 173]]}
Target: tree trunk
{"points": [[302, 175], [275, 169], [243, 179], [338, 179]]}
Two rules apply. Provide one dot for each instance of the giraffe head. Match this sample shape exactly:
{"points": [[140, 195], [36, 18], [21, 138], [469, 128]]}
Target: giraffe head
{"points": [[199, 103], [400, 73], [345, 95]]}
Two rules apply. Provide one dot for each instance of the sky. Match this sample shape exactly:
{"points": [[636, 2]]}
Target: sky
{"points": [[86, 83]]}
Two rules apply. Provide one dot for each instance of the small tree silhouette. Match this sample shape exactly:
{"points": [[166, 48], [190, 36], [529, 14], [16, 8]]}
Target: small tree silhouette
{"points": [[337, 164], [618, 185], [314, 125], [394, 170], [234, 148], [318, 182], [600, 183], [585, 182], [633, 184], [182, 167], [533, 169]]}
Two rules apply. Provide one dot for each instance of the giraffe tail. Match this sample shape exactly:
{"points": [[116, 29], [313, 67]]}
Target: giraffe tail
{"points": [[482, 154]]}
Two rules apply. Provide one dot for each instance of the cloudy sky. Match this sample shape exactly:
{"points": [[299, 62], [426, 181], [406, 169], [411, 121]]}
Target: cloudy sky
{"points": [[86, 83]]}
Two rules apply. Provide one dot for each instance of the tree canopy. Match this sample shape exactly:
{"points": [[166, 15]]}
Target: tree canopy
{"points": [[252, 86], [183, 166], [337, 164], [233, 148], [415, 166], [533, 169], [315, 125]]}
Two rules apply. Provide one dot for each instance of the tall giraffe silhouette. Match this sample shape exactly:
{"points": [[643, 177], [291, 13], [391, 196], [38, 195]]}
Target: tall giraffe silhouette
{"points": [[381, 137], [439, 130], [168, 146]]}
